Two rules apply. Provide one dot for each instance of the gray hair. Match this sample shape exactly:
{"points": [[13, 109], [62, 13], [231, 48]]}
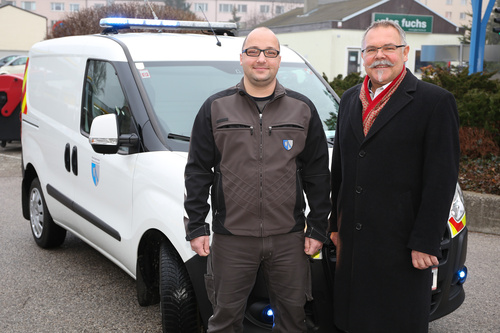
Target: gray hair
{"points": [[385, 24]]}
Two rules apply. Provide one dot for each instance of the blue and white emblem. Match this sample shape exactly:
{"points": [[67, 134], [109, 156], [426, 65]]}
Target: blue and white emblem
{"points": [[95, 171], [288, 144]]}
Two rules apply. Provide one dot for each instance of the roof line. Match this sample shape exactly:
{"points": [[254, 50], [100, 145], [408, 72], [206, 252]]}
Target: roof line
{"points": [[24, 10], [364, 10]]}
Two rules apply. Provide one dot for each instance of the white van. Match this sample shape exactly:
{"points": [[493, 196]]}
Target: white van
{"points": [[105, 136]]}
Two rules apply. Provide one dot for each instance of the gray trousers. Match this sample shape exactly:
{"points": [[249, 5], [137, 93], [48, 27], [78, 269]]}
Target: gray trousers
{"points": [[235, 262]]}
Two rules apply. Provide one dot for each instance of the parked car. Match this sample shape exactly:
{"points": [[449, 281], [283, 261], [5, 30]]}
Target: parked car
{"points": [[105, 138], [6, 59], [14, 66]]}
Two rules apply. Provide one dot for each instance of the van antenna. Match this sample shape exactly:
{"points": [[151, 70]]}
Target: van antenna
{"points": [[218, 42], [151, 7]]}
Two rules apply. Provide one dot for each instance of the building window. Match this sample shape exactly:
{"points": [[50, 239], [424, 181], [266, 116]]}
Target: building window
{"points": [[201, 7], [98, 5], [13, 3], [57, 6], [419, 63], [280, 9], [242, 8], [463, 16], [264, 8], [463, 2], [449, 2], [225, 8], [74, 7], [28, 5], [447, 15]]}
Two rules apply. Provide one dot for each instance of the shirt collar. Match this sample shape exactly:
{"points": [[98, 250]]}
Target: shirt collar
{"points": [[373, 95]]}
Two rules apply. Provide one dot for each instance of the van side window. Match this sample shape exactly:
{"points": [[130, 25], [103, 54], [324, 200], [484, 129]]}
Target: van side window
{"points": [[103, 94]]}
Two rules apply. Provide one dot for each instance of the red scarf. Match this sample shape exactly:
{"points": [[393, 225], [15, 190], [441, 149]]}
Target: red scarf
{"points": [[371, 108]]}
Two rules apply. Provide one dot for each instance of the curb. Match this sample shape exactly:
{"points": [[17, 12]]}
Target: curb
{"points": [[482, 212]]}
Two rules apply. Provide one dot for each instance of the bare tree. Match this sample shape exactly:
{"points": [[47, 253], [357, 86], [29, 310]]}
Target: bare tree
{"points": [[87, 20]]}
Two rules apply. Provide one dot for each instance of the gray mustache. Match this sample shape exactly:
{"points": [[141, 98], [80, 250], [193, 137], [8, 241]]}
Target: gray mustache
{"points": [[381, 62]]}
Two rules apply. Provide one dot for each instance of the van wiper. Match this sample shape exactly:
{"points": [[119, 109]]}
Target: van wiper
{"points": [[178, 137]]}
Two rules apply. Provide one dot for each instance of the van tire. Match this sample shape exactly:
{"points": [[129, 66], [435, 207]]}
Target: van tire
{"points": [[178, 305], [46, 233]]}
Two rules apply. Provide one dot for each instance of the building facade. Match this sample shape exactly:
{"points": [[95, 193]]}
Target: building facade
{"points": [[29, 28], [249, 12], [328, 33], [457, 11]]}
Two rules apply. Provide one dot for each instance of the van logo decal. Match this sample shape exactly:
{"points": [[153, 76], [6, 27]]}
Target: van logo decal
{"points": [[288, 144], [95, 170]]}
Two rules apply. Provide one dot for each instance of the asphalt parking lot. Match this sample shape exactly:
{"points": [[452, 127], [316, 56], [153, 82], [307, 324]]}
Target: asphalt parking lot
{"points": [[75, 289]]}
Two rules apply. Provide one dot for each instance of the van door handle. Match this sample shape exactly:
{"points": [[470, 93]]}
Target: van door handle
{"points": [[74, 161], [67, 160]]}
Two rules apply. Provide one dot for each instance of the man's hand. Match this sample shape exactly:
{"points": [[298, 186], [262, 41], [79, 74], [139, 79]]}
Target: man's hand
{"points": [[334, 236], [312, 246], [201, 245], [422, 260]]}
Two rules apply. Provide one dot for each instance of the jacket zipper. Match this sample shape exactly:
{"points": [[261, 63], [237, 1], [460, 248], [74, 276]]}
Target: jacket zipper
{"points": [[261, 176]]}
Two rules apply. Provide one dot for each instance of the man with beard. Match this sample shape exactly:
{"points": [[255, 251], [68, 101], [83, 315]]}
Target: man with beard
{"points": [[394, 172]]}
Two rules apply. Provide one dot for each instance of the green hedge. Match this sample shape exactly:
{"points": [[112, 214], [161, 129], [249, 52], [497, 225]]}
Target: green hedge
{"points": [[477, 96]]}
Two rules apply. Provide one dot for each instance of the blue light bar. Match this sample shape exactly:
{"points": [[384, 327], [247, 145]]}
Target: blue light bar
{"points": [[136, 23]]}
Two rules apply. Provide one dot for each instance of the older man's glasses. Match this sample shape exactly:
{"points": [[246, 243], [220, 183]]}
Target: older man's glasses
{"points": [[386, 49], [268, 53]]}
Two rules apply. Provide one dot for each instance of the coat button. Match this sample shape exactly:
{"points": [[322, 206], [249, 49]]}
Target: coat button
{"points": [[359, 189], [362, 153], [359, 226]]}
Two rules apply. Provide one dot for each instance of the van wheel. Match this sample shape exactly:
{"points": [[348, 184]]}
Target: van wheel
{"points": [[46, 233], [178, 305]]}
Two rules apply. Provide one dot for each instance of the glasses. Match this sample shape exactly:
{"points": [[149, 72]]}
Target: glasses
{"points": [[386, 49], [254, 52]]}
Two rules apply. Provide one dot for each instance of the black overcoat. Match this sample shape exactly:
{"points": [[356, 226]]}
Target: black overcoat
{"points": [[392, 192]]}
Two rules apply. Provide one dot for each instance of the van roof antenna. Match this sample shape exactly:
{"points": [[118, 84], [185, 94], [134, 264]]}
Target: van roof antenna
{"points": [[151, 7], [218, 41]]}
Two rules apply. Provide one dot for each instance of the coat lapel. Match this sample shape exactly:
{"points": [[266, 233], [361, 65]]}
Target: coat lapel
{"points": [[355, 116], [396, 103]]}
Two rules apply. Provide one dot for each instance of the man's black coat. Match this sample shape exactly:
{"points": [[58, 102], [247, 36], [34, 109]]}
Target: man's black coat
{"points": [[392, 192]]}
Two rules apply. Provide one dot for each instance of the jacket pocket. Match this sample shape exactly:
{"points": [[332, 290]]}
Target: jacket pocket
{"points": [[287, 127], [228, 127]]}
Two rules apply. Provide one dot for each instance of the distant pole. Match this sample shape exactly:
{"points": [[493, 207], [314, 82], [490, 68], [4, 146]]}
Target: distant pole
{"points": [[478, 35]]}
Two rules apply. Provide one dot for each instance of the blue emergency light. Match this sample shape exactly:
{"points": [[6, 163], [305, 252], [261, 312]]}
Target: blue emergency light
{"points": [[137, 23], [462, 275], [268, 315]]}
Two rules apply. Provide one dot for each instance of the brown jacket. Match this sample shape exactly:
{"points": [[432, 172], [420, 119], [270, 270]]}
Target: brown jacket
{"points": [[258, 166]]}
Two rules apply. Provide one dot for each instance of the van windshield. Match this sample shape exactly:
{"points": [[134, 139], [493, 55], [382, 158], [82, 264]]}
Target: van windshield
{"points": [[178, 89]]}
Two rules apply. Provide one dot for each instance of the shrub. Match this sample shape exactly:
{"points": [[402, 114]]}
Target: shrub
{"points": [[340, 84], [477, 143], [477, 96]]}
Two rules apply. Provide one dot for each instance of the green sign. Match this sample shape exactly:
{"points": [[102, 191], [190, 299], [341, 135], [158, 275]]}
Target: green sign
{"points": [[409, 23]]}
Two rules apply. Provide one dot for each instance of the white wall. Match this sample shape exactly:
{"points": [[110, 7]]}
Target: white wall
{"points": [[20, 29]]}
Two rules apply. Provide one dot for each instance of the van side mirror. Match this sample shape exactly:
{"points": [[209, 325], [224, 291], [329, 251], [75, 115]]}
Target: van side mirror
{"points": [[104, 134]]}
